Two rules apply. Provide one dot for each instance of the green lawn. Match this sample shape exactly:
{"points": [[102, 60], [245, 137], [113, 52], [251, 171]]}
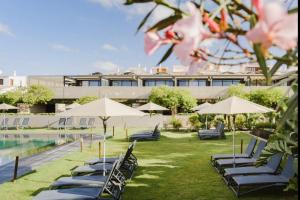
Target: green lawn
{"points": [[174, 168]]}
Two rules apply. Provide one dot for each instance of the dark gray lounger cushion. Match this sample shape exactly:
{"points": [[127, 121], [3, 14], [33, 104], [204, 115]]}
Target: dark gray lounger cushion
{"points": [[248, 170], [228, 156], [91, 181], [259, 179], [69, 194], [101, 160], [92, 168], [236, 161]]}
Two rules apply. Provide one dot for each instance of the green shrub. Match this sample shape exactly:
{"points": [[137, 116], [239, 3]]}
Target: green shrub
{"points": [[253, 119], [176, 123], [194, 121], [263, 125], [173, 98], [240, 122], [219, 119], [86, 99]]}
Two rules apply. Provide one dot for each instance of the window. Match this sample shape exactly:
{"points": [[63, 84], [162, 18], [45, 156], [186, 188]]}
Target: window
{"points": [[192, 83], [183, 83], [95, 83], [217, 83], [225, 82], [1, 81], [152, 83], [126, 83]]}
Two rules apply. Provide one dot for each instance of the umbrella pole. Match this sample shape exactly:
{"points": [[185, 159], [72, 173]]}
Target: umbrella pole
{"points": [[104, 144], [206, 121], [233, 138]]}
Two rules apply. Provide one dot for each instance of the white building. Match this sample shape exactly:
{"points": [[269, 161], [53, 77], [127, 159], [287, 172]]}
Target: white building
{"points": [[8, 82]]}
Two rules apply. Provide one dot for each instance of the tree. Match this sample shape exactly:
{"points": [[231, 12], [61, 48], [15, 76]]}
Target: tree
{"points": [[12, 97], [173, 98], [267, 97], [37, 94], [186, 100], [86, 99], [237, 90]]}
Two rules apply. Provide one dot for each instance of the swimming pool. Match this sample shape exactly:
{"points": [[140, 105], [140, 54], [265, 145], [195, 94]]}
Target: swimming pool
{"points": [[10, 148]]}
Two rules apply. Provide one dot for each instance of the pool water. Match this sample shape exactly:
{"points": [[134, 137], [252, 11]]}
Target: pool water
{"points": [[9, 148]]}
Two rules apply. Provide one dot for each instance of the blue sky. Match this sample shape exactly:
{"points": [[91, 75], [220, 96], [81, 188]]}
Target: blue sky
{"points": [[70, 37], [76, 36]]}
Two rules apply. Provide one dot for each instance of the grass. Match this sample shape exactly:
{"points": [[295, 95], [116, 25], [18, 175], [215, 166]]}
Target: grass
{"points": [[174, 168]]}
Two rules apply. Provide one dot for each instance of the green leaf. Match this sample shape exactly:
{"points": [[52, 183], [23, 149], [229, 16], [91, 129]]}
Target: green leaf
{"points": [[165, 22], [167, 54], [292, 11], [259, 54], [145, 19], [129, 2]]}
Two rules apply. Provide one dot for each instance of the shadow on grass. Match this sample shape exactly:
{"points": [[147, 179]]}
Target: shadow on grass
{"points": [[36, 192]]}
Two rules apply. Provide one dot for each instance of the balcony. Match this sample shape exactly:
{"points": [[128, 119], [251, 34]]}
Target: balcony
{"points": [[206, 92]]}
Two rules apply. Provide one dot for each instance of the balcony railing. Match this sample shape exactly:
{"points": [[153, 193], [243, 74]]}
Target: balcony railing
{"points": [[206, 92]]}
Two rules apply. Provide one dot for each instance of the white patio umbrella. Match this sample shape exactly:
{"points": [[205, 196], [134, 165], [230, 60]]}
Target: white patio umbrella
{"points": [[104, 109], [232, 106], [73, 105], [201, 107], [4, 107], [151, 107]]}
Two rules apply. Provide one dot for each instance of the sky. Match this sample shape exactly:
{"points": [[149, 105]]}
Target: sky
{"points": [[55, 37], [67, 37]]}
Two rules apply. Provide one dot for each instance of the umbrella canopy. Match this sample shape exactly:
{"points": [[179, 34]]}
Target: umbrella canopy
{"points": [[103, 108], [73, 105], [235, 105], [5, 106], [151, 107], [201, 106]]}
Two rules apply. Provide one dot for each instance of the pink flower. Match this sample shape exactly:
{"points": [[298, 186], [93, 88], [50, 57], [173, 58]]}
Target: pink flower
{"points": [[275, 26], [152, 42], [212, 25], [192, 32]]}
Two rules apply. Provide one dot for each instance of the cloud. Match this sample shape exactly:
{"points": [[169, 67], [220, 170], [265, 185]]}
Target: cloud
{"points": [[109, 47], [4, 29], [107, 3], [105, 66], [63, 48], [160, 13]]}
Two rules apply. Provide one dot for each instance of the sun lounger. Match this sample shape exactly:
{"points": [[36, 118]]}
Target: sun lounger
{"points": [[146, 135], [126, 167], [25, 123], [61, 123], [270, 168], [83, 123], [128, 155], [16, 123], [69, 122], [90, 181], [91, 123], [258, 182], [111, 188], [226, 163], [4, 123], [213, 133], [247, 154]]}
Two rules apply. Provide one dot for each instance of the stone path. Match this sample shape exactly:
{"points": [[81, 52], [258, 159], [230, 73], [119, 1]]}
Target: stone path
{"points": [[28, 164]]}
